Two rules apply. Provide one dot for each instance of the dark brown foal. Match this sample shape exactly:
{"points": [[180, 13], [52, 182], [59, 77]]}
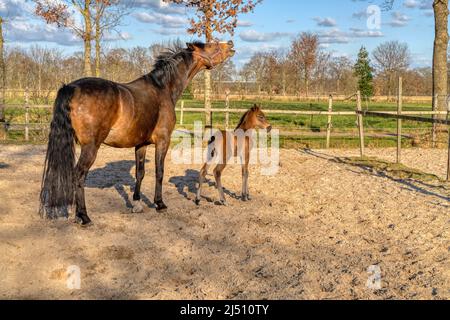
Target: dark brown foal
{"points": [[237, 144], [133, 115]]}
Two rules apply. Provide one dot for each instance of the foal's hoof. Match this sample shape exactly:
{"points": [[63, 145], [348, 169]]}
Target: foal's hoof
{"points": [[223, 203], [83, 221], [137, 207], [246, 197], [161, 207]]}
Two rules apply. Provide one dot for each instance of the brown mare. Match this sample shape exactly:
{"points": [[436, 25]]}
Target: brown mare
{"points": [[224, 150], [95, 111]]}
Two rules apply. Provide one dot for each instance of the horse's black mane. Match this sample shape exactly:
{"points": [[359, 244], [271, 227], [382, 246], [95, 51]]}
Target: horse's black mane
{"points": [[166, 64]]}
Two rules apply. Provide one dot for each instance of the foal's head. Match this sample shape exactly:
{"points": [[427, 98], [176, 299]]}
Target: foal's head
{"points": [[254, 119], [211, 54]]}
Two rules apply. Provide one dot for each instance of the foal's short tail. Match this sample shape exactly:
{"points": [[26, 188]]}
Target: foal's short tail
{"points": [[57, 189]]}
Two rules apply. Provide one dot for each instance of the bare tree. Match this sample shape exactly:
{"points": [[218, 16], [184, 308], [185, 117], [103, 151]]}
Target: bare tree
{"points": [[440, 76], [391, 59], [224, 72], [304, 51], [254, 70], [215, 16], [62, 14], [108, 15], [340, 69], [322, 70]]}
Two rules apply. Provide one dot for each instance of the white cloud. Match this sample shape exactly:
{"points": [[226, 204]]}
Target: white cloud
{"points": [[159, 6], [325, 22], [164, 20], [22, 31], [336, 35], [11, 9], [244, 24], [255, 36], [399, 20], [411, 4]]}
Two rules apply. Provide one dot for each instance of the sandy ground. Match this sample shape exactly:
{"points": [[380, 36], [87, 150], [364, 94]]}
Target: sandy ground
{"points": [[311, 232]]}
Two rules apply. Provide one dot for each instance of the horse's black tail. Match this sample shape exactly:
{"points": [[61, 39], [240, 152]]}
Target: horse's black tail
{"points": [[57, 190]]}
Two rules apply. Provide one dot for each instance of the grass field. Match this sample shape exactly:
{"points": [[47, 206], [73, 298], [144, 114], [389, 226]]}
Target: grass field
{"points": [[296, 131]]}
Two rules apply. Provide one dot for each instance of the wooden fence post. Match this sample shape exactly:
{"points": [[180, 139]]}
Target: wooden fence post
{"points": [[182, 112], [227, 106], [329, 124], [360, 123], [399, 121], [448, 161], [434, 128], [448, 118], [27, 116]]}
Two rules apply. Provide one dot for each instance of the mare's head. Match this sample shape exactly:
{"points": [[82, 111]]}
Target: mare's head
{"points": [[255, 119], [212, 54]]}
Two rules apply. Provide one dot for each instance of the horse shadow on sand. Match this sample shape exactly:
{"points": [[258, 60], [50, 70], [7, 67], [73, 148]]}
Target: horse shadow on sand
{"points": [[119, 175], [4, 165], [187, 186]]}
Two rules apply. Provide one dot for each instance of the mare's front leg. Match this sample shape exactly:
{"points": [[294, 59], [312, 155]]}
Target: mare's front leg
{"points": [[140, 153], [162, 146]]}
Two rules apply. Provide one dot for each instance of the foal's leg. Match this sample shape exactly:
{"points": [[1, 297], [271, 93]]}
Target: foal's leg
{"points": [[245, 173], [140, 173], [201, 180], [245, 192], [218, 176], [87, 158], [162, 146]]}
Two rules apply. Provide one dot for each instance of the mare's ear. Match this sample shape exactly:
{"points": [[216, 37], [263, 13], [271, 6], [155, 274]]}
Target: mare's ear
{"points": [[190, 46], [256, 107]]}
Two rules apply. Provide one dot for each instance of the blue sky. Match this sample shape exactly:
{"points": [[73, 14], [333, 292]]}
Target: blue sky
{"points": [[341, 24]]}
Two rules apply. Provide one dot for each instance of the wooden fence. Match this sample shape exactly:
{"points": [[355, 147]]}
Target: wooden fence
{"points": [[399, 115]]}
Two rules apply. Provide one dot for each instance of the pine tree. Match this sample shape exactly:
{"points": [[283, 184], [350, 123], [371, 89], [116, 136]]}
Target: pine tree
{"points": [[363, 71]]}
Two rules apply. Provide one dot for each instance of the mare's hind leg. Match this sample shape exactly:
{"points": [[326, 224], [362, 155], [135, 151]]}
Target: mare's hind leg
{"points": [[140, 173], [218, 176], [87, 158], [201, 180]]}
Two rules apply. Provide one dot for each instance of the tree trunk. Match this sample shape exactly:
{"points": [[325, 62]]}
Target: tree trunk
{"points": [[98, 37], [440, 75], [87, 39], [208, 83], [3, 83], [307, 82], [97, 49]]}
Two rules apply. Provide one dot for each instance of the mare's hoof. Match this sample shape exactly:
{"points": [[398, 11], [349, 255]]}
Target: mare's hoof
{"points": [[161, 207], [83, 221], [137, 207], [221, 203], [197, 202]]}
